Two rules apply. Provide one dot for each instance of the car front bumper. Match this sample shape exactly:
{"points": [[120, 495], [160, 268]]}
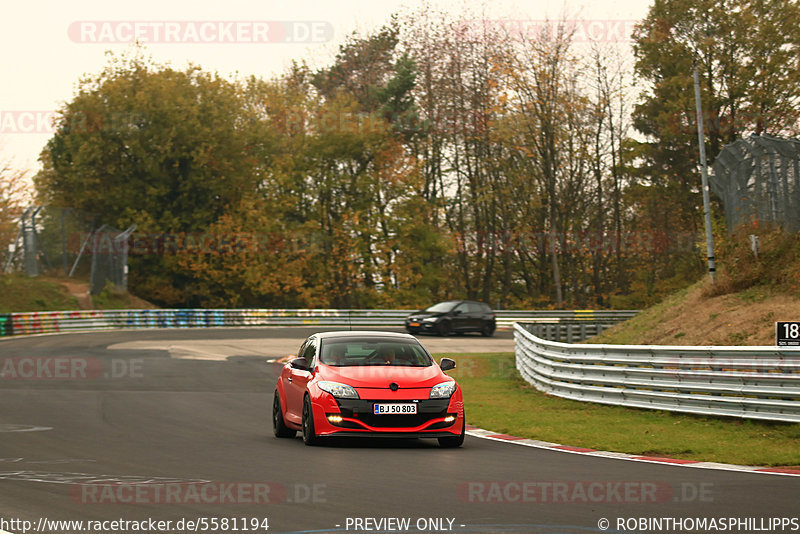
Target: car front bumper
{"points": [[415, 327], [435, 418]]}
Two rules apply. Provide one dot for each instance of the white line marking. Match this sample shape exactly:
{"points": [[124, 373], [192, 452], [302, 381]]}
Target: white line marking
{"points": [[486, 434]]}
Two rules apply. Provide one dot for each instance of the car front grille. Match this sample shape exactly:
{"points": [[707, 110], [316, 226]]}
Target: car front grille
{"points": [[362, 410]]}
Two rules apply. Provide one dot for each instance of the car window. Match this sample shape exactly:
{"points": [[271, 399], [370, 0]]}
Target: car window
{"points": [[374, 351], [310, 352], [442, 307], [463, 308], [474, 307]]}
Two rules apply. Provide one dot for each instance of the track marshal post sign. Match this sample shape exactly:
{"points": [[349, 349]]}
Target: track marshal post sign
{"points": [[787, 333]]}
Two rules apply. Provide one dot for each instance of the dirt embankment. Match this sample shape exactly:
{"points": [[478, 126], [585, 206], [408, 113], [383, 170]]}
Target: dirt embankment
{"points": [[692, 317]]}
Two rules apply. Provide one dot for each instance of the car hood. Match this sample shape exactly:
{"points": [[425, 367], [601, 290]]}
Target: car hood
{"points": [[380, 376], [423, 314]]}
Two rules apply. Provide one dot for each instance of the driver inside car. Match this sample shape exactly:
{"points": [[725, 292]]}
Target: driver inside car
{"points": [[387, 355]]}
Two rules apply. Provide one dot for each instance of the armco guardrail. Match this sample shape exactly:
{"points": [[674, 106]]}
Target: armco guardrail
{"points": [[749, 382], [71, 321], [568, 331], [49, 322], [6, 324]]}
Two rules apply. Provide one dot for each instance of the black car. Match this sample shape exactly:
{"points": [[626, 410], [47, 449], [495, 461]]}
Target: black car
{"points": [[453, 316]]}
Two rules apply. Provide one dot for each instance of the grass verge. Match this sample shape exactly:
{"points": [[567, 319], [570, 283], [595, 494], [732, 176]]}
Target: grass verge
{"points": [[641, 327], [20, 293], [23, 293], [497, 398]]}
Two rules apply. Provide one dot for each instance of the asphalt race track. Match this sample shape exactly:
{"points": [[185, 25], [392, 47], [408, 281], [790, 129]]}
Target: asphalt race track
{"points": [[175, 425]]}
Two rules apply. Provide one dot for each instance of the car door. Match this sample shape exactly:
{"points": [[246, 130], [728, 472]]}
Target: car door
{"points": [[487, 317], [460, 316], [297, 381], [474, 315]]}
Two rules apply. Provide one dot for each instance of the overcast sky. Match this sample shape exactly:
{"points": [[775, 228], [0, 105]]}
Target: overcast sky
{"points": [[49, 44]]}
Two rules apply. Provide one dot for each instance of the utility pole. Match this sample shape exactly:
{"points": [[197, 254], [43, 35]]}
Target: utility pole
{"points": [[701, 140]]}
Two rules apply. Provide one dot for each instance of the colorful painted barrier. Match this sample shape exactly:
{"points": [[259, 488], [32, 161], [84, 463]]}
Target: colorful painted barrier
{"points": [[87, 320]]}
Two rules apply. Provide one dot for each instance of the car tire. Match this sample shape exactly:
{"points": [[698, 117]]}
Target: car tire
{"points": [[309, 434], [487, 330], [279, 427], [454, 441]]}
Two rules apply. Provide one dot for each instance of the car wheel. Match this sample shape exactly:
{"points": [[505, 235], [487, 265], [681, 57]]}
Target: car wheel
{"points": [[444, 328], [309, 435], [487, 330], [455, 441], [279, 427]]}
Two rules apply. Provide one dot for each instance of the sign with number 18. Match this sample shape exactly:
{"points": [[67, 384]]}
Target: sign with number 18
{"points": [[787, 333]]}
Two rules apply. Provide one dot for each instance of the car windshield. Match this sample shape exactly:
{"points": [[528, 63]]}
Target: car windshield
{"points": [[374, 351], [442, 307]]}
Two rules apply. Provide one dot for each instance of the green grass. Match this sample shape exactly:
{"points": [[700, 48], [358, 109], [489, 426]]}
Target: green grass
{"points": [[754, 294], [496, 398], [109, 300], [19, 293]]}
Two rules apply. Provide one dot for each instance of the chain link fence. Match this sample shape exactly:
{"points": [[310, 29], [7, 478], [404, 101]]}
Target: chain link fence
{"points": [[48, 241], [68, 242], [109, 251], [758, 181]]}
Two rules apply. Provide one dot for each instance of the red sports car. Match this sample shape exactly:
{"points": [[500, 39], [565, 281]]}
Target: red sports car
{"points": [[367, 384]]}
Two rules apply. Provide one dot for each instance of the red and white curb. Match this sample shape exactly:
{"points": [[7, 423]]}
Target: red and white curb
{"points": [[488, 434]]}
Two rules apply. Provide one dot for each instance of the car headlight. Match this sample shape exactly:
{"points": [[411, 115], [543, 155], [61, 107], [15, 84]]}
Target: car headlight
{"points": [[340, 391], [443, 390], [430, 320]]}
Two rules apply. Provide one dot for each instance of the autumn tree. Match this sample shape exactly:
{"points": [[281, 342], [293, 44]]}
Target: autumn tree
{"points": [[15, 194], [551, 118], [747, 54], [364, 180], [151, 145]]}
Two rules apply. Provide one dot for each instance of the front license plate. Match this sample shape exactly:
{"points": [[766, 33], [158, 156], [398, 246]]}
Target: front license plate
{"points": [[413, 324], [395, 409]]}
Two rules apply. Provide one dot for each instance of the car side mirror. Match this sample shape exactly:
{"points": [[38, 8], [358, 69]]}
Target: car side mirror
{"points": [[299, 363], [446, 364], [457, 312]]}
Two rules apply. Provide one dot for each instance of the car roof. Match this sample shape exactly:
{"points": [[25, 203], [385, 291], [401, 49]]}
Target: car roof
{"points": [[362, 334]]}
